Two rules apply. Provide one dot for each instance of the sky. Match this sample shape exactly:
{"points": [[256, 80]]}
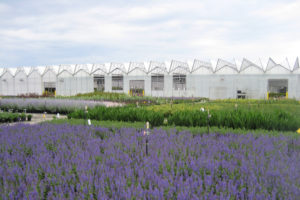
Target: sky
{"points": [[51, 32]]}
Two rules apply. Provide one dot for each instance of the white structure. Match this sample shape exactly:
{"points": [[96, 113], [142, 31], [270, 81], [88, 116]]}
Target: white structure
{"points": [[218, 79]]}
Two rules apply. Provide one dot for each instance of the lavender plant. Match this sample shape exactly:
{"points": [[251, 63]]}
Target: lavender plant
{"points": [[49, 105], [77, 162]]}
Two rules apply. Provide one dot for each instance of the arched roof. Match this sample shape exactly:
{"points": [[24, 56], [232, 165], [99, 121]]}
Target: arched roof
{"points": [[1, 71], [248, 67], [83, 67], [10, 71], [137, 68], [201, 67], [20, 70], [66, 68], [99, 69], [225, 67], [179, 67], [34, 69], [157, 68], [52, 68], [296, 68], [117, 68], [274, 68]]}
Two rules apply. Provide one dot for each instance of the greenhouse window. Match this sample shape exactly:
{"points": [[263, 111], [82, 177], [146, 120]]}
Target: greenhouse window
{"points": [[157, 82], [179, 82], [117, 82], [99, 83]]}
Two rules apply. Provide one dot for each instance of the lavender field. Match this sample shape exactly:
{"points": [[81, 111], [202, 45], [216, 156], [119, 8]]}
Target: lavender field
{"points": [[76, 162]]}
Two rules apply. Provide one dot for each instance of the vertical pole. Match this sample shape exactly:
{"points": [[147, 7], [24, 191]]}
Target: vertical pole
{"points": [[85, 112], [208, 121], [147, 133]]}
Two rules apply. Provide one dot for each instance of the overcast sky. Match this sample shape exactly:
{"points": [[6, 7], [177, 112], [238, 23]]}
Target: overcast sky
{"points": [[46, 32]]}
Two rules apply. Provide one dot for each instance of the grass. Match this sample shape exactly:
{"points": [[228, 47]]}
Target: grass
{"points": [[194, 130]]}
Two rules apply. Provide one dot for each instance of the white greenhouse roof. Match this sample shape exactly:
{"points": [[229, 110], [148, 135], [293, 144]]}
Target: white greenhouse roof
{"points": [[225, 67], [99, 69], [248, 67], [136, 67], [201, 67], [220, 66], [296, 68], [179, 67], [157, 67], [117, 68]]}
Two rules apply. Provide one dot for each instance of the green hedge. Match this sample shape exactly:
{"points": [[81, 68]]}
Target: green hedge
{"points": [[126, 114], [239, 118], [11, 117], [232, 118]]}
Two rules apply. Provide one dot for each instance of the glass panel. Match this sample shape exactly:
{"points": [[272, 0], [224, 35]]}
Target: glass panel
{"points": [[179, 82], [117, 82], [157, 82], [99, 83]]}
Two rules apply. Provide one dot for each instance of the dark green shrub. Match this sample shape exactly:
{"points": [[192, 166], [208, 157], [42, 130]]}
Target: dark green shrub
{"points": [[126, 114], [29, 117]]}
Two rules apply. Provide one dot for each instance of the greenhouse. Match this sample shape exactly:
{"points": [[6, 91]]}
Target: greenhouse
{"points": [[216, 79]]}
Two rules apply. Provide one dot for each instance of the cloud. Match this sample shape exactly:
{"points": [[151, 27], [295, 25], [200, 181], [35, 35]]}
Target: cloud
{"points": [[56, 32]]}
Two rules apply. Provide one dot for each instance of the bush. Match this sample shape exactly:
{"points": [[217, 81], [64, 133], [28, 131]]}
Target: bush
{"points": [[126, 114], [242, 118], [6, 117], [239, 118], [29, 117]]}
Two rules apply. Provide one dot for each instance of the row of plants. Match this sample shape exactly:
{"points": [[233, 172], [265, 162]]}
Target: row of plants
{"points": [[13, 117], [48, 105], [233, 118], [237, 118], [259, 101], [293, 107], [47, 161], [277, 95], [115, 125], [142, 100], [127, 113]]}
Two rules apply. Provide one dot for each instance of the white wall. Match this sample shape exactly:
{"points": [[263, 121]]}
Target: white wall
{"points": [[34, 81], [20, 83], [7, 84]]}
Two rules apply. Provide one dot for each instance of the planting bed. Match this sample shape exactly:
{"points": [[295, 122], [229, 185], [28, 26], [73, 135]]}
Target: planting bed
{"points": [[49, 105], [62, 161]]}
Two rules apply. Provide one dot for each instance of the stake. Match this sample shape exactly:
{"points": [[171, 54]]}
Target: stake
{"points": [[85, 113], [147, 133], [208, 116]]}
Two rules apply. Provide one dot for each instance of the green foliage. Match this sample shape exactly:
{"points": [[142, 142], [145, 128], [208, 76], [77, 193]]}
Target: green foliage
{"points": [[237, 118], [122, 97], [194, 130], [126, 114], [107, 124], [7, 117]]}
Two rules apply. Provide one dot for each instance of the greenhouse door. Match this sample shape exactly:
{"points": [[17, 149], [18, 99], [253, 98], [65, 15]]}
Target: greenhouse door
{"points": [[49, 89], [137, 87], [277, 88]]}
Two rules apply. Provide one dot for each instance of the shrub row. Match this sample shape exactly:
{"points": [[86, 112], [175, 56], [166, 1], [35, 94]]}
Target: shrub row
{"points": [[13, 117], [128, 113], [235, 118], [239, 118]]}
